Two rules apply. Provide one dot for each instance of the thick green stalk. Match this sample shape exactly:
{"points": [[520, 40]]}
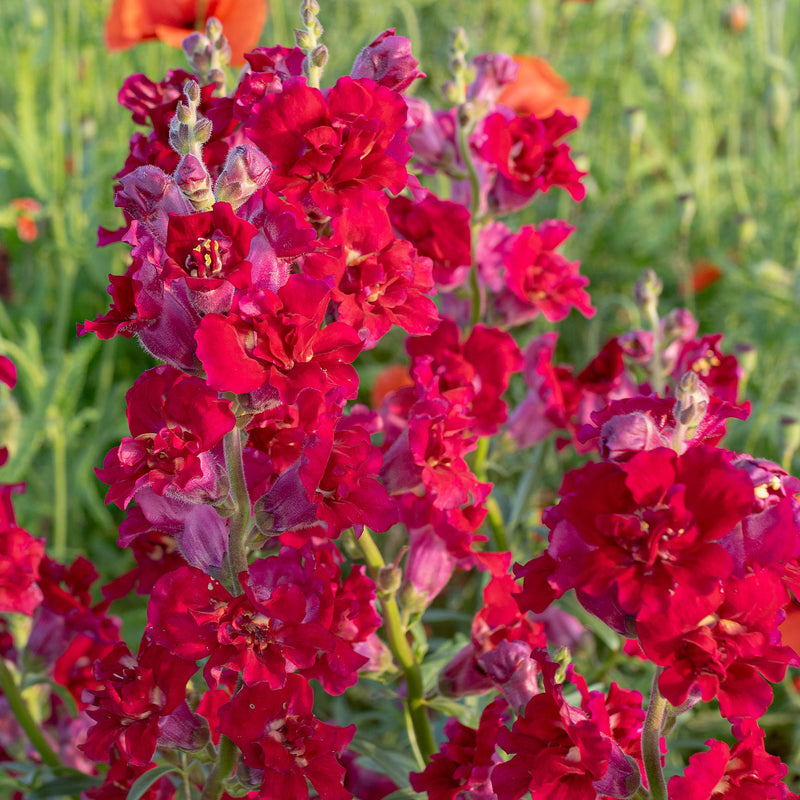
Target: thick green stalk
{"points": [[651, 741], [398, 643], [226, 759], [21, 711], [240, 520]]}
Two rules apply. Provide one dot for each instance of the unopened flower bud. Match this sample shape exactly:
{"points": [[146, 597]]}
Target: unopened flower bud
{"points": [[197, 49], [246, 170], [388, 580], [309, 9], [202, 130], [192, 91], [319, 56], [303, 39], [647, 289], [213, 29], [180, 139], [663, 37], [194, 181], [692, 400], [185, 114]]}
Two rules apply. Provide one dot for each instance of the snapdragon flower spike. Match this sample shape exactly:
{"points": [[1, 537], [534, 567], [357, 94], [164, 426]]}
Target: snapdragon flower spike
{"points": [[282, 741], [138, 692], [327, 149], [278, 339], [175, 421]]}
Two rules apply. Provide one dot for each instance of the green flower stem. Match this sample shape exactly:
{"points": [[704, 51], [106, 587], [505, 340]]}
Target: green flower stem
{"points": [[494, 514], [240, 521], [226, 759], [21, 711], [651, 741], [398, 643], [463, 127]]}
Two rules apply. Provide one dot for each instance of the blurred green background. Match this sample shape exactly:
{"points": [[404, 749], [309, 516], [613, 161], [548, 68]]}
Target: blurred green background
{"points": [[692, 145]]}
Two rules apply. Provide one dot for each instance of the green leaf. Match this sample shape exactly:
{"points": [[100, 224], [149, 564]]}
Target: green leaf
{"points": [[144, 782], [395, 766], [65, 786], [403, 794]]}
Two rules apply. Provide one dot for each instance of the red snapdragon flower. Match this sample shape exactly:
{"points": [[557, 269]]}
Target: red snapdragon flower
{"points": [[624, 536], [328, 148], [380, 280], [481, 364], [528, 157], [138, 692], [439, 229], [278, 339], [278, 734], [742, 772], [175, 420], [463, 766], [295, 609]]}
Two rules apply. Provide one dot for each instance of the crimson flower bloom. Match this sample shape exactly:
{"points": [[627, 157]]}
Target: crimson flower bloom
{"points": [[742, 772], [278, 339], [624, 536], [174, 419], [278, 733], [296, 615], [134, 21], [327, 149], [138, 692], [465, 761]]}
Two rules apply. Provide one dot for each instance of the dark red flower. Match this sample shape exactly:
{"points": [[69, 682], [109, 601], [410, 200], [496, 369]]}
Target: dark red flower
{"points": [[277, 732], [465, 761], [138, 692], [327, 149], [278, 340], [175, 420]]}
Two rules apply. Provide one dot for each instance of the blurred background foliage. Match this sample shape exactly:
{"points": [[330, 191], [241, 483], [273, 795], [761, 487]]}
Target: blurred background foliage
{"points": [[692, 146]]}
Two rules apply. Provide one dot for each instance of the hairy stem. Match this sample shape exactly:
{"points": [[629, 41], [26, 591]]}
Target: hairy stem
{"points": [[241, 519], [651, 741], [226, 759], [425, 744]]}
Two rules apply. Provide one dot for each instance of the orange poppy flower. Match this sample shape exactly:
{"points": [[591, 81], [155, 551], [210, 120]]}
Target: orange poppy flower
{"points": [[171, 21], [538, 89]]}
